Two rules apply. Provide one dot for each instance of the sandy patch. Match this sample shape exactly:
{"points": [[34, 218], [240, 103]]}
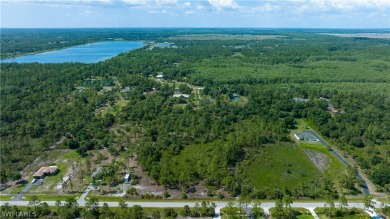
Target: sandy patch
{"points": [[321, 160]]}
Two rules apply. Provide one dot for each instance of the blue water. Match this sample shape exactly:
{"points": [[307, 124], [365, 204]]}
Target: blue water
{"points": [[236, 99], [89, 53]]}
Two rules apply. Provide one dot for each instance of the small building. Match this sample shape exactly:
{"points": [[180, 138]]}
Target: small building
{"points": [[127, 178], [181, 95], [324, 99], [300, 100], [126, 90], [45, 171], [305, 136]]}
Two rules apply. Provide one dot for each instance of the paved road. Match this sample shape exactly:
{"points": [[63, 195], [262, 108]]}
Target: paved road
{"points": [[178, 204], [342, 159]]}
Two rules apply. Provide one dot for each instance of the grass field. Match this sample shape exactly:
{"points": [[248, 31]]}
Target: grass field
{"points": [[278, 166], [305, 217]]}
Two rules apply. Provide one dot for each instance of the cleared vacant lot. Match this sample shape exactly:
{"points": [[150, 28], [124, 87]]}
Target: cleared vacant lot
{"points": [[279, 166]]}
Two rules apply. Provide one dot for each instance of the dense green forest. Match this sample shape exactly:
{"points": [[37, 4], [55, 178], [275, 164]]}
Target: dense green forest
{"points": [[181, 142]]}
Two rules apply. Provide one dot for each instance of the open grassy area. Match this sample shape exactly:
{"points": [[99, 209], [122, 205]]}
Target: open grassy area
{"points": [[305, 217], [278, 166]]}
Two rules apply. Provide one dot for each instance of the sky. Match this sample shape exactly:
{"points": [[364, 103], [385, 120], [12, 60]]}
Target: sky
{"points": [[195, 13]]}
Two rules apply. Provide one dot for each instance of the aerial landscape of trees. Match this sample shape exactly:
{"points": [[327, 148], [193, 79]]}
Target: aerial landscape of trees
{"points": [[207, 138]]}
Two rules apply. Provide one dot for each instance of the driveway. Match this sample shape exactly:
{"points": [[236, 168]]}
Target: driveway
{"points": [[19, 196], [81, 200]]}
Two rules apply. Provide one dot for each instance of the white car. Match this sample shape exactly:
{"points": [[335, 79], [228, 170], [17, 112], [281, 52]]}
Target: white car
{"points": [[34, 180]]}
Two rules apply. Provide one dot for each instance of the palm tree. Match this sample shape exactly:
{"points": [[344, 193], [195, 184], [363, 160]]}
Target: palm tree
{"points": [[287, 201], [34, 201]]}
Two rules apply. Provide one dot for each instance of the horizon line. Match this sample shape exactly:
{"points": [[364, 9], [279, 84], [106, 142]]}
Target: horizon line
{"points": [[350, 28]]}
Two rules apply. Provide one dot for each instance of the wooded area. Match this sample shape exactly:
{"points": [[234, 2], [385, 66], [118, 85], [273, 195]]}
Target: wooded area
{"points": [[346, 82]]}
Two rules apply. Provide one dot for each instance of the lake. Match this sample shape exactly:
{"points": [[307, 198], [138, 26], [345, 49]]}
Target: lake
{"points": [[88, 53]]}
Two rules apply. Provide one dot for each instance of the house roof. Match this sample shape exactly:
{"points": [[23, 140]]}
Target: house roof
{"points": [[299, 99], [181, 95], [45, 170], [307, 136]]}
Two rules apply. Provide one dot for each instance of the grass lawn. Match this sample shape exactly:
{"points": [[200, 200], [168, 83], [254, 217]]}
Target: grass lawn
{"points": [[18, 188], [106, 198], [305, 217], [277, 166], [119, 104], [240, 213], [6, 197], [322, 216], [46, 197], [233, 217]]}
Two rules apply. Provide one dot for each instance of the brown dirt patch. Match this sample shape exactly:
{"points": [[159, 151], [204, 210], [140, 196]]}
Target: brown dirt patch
{"points": [[321, 160]]}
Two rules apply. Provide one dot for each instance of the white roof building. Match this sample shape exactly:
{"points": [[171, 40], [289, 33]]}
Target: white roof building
{"points": [[181, 95]]}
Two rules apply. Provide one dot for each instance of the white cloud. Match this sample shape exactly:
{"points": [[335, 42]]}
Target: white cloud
{"points": [[303, 8], [190, 12], [220, 4], [166, 2], [89, 12], [266, 8], [187, 4], [200, 7], [135, 2], [343, 5]]}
